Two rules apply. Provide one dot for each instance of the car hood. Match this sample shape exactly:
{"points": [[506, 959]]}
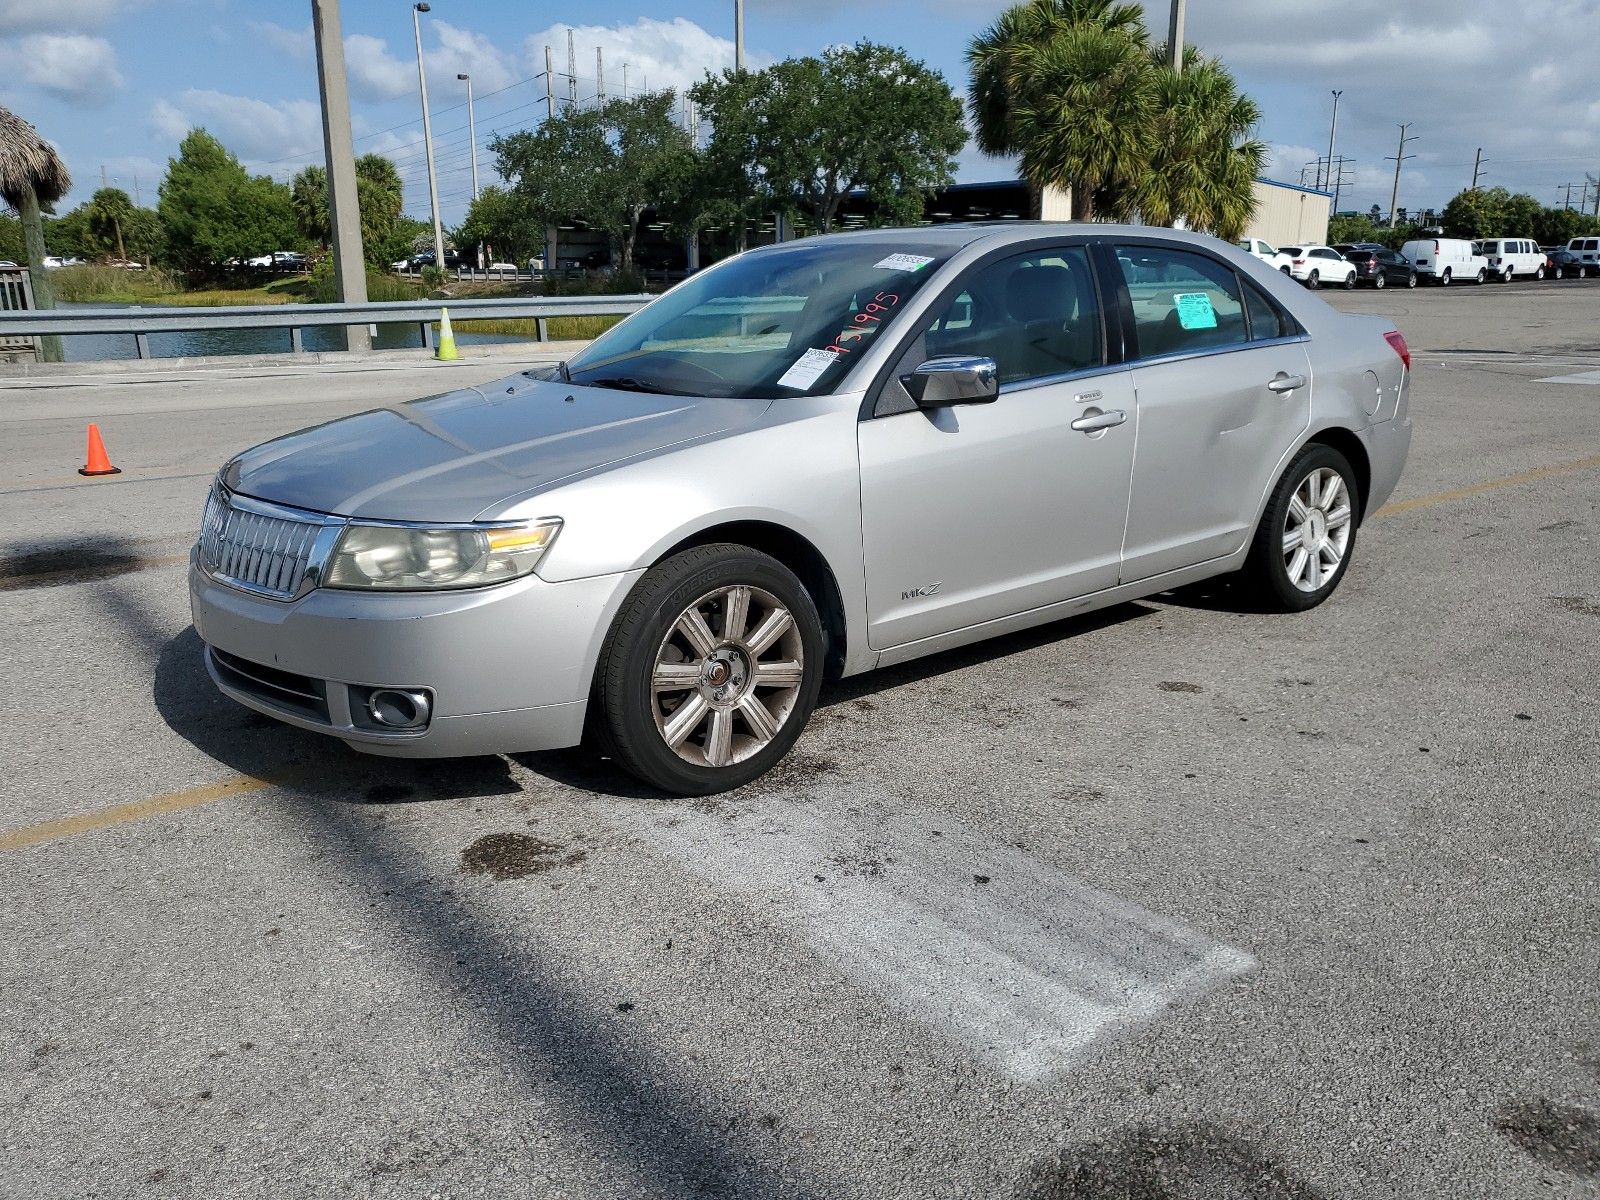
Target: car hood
{"points": [[452, 457]]}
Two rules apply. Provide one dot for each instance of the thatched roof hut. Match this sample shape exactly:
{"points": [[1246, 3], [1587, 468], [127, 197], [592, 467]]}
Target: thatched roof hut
{"points": [[28, 163]]}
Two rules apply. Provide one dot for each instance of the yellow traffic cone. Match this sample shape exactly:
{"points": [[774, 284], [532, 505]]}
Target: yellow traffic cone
{"points": [[446, 350]]}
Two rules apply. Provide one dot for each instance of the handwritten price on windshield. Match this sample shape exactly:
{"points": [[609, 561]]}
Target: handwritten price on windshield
{"points": [[865, 321]]}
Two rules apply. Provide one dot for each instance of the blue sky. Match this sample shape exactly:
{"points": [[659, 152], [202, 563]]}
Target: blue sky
{"points": [[115, 83]]}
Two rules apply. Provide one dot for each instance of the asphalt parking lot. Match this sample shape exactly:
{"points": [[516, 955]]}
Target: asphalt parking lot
{"points": [[1177, 900]]}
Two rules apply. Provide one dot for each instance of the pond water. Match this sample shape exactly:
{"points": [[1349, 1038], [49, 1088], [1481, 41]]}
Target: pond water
{"points": [[90, 347]]}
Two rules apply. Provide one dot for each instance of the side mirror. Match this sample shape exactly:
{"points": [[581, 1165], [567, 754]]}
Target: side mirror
{"points": [[956, 379]]}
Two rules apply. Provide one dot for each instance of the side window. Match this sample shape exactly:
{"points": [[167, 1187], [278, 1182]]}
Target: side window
{"points": [[1181, 300], [1266, 321], [1035, 314]]}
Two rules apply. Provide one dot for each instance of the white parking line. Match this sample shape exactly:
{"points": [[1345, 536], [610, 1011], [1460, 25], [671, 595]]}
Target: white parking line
{"points": [[1590, 377], [977, 940]]}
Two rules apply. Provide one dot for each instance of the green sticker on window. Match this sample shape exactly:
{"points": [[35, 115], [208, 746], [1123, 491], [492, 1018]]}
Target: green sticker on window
{"points": [[1195, 311]]}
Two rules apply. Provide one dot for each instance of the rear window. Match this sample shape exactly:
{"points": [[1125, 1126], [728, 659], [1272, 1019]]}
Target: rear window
{"points": [[1295, 250], [1358, 255]]}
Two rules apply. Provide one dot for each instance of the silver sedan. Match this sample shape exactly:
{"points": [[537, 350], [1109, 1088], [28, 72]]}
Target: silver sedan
{"points": [[811, 460]]}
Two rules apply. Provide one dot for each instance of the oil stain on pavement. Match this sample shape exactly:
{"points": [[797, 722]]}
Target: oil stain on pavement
{"points": [[503, 856], [1558, 1135], [1191, 1162]]}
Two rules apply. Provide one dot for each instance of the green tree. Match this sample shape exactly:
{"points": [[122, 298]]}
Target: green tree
{"points": [[212, 210], [1065, 86], [69, 234], [806, 132], [1475, 213], [378, 195], [12, 248], [308, 200], [1205, 163], [499, 218], [606, 165], [141, 231], [1558, 226], [109, 210], [729, 189]]}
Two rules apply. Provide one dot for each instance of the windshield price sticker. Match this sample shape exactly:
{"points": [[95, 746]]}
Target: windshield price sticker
{"points": [[1195, 311], [904, 262], [808, 368]]}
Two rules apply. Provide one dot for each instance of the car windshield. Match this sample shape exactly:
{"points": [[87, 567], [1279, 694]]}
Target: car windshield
{"points": [[782, 322]]}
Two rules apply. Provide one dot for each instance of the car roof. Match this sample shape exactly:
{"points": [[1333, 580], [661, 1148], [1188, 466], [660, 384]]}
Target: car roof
{"points": [[959, 234]]}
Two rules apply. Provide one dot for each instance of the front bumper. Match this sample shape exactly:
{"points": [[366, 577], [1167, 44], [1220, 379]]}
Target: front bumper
{"points": [[508, 667]]}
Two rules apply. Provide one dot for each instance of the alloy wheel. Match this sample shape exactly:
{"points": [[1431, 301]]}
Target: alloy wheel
{"points": [[1378, 281], [1316, 530], [726, 676]]}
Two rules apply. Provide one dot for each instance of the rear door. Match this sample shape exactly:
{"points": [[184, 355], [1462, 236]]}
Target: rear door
{"points": [[1224, 390], [977, 512]]}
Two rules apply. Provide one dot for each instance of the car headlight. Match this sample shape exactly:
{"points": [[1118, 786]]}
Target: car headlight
{"points": [[398, 558]]}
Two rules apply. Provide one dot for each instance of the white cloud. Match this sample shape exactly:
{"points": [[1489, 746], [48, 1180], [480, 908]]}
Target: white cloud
{"points": [[297, 43], [76, 68], [56, 16], [375, 74], [260, 132], [462, 51], [661, 54]]}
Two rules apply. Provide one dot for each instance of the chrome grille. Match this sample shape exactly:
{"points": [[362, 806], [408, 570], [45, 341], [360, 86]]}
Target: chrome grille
{"points": [[254, 548]]}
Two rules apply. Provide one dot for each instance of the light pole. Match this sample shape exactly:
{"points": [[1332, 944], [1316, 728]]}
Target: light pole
{"points": [[1175, 37], [427, 138], [1333, 129], [472, 133], [738, 35]]}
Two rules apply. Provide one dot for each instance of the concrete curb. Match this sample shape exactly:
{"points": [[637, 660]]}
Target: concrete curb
{"points": [[122, 367]]}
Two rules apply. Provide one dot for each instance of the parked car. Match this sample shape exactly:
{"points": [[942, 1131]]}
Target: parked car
{"points": [[7, 265], [1564, 263], [536, 264], [127, 264], [630, 542], [1588, 251], [53, 262], [1446, 260], [278, 260], [452, 260], [1381, 267], [1317, 265], [1510, 257], [503, 266], [1264, 251]]}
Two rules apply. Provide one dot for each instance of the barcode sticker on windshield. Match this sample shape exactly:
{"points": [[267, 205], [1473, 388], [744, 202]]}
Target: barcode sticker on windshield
{"points": [[808, 368], [904, 262]]}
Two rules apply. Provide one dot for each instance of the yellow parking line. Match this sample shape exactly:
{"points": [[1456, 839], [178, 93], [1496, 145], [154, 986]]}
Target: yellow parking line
{"points": [[1490, 485], [137, 810]]}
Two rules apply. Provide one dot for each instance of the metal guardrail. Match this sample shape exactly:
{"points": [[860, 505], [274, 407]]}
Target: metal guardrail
{"points": [[142, 322]]}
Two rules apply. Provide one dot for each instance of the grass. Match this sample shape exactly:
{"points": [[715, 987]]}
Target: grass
{"points": [[561, 328]]}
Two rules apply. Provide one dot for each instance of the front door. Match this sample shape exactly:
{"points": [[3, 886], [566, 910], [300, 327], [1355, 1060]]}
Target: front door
{"points": [[981, 511], [1224, 391]]}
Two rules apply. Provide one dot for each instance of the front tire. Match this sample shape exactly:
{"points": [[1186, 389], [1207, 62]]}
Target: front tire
{"points": [[1307, 533], [1350, 282], [710, 670], [1411, 280]]}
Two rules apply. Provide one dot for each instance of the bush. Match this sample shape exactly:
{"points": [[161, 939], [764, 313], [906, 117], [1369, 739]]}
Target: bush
{"points": [[78, 284], [380, 285], [432, 276]]}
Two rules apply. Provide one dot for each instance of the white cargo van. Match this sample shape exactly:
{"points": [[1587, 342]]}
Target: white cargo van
{"points": [[1588, 251], [1513, 257], [1446, 260]]}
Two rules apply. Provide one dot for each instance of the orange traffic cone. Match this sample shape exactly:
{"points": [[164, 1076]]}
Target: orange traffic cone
{"points": [[98, 463]]}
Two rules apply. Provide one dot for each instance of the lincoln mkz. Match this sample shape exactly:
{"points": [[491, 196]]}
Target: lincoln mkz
{"points": [[808, 461]]}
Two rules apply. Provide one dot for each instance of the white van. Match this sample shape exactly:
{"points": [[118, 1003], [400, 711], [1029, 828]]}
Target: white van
{"points": [[1588, 251], [1266, 252], [1446, 260], [1509, 257]]}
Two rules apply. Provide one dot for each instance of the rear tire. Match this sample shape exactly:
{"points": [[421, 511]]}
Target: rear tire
{"points": [[1287, 272], [1314, 280], [676, 698], [1480, 277], [1281, 571], [1538, 275], [1379, 282], [1444, 280]]}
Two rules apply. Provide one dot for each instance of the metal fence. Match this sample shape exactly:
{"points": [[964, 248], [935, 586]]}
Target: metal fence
{"points": [[294, 318]]}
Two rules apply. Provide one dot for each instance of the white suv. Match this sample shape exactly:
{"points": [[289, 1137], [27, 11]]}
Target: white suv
{"points": [[1512, 256], [1317, 265]]}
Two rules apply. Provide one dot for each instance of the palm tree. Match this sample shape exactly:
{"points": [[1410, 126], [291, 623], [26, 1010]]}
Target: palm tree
{"points": [[1009, 60], [1206, 161], [32, 174], [108, 209], [308, 200]]}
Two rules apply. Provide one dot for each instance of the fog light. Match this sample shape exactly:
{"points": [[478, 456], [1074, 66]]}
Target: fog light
{"points": [[396, 709]]}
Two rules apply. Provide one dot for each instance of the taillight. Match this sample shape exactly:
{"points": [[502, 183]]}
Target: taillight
{"points": [[1436, 247], [1397, 343], [1299, 262]]}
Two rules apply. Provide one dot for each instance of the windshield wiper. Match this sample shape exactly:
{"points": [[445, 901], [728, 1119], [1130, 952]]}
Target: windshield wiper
{"points": [[628, 383]]}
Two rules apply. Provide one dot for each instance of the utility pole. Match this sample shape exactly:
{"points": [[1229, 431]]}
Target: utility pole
{"points": [[344, 210], [1336, 174], [1175, 37], [1477, 168], [1399, 157], [624, 81], [738, 35], [138, 196], [599, 76], [103, 182], [1332, 129], [427, 138], [572, 71], [1590, 179], [549, 115], [1568, 188]]}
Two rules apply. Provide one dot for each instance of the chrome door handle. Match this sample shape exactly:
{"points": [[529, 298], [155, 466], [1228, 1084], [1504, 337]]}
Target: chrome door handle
{"points": [[1103, 420], [1285, 383]]}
